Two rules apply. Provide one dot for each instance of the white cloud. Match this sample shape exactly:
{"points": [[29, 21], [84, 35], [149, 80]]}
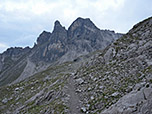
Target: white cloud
{"points": [[25, 17], [103, 5], [44, 7], [47, 11]]}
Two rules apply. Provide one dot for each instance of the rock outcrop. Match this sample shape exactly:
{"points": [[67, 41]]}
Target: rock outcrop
{"points": [[136, 102]]}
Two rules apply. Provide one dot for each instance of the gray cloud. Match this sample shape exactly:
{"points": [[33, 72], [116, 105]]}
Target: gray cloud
{"points": [[21, 21]]}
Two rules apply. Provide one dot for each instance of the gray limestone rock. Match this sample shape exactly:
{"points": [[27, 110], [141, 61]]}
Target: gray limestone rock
{"points": [[132, 103]]}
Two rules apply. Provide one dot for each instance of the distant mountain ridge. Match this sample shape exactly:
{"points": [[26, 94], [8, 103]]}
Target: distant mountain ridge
{"points": [[82, 37]]}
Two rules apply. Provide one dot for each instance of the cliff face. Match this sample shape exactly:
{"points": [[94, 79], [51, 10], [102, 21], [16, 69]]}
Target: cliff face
{"points": [[62, 45], [81, 38], [12, 64]]}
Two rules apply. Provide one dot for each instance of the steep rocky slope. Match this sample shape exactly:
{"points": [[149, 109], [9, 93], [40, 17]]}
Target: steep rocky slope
{"points": [[139, 67], [116, 80], [12, 63], [62, 45], [51, 92], [123, 68]]}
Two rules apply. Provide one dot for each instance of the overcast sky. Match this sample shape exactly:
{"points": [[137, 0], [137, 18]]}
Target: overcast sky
{"points": [[21, 21]]}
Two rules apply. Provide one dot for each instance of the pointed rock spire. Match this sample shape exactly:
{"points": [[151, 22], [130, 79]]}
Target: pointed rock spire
{"points": [[57, 24], [58, 27], [59, 32]]}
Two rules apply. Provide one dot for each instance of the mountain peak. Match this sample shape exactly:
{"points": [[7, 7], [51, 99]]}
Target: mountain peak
{"points": [[58, 27], [84, 22], [57, 23], [43, 37], [82, 19], [80, 26]]}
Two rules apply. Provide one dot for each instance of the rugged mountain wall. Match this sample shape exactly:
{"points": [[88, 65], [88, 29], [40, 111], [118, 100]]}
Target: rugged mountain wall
{"points": [[12, 63], [62, 45], [137, 58], [116, 80], [81, 38], [122, 72]]}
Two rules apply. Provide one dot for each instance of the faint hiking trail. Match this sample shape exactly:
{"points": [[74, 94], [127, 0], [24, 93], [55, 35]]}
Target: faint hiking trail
{"points": [[74, 103]]}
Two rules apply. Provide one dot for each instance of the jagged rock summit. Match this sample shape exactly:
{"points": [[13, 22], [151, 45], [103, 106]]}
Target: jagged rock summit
{"points": [[55, 47], [81, 26], [82, 36]]}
